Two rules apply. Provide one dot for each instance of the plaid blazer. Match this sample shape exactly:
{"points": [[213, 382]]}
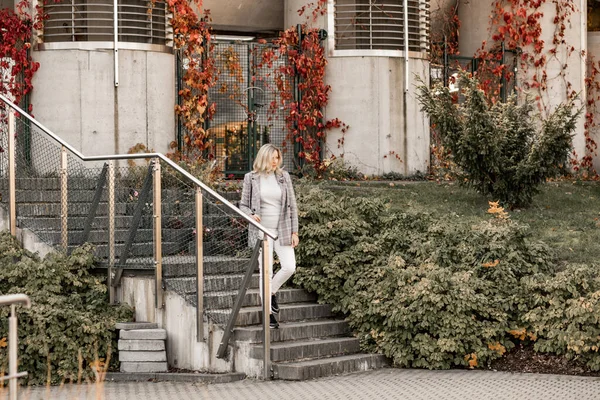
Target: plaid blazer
{"points": [[288, 217]]}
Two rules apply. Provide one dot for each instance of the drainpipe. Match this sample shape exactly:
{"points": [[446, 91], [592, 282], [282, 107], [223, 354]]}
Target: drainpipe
{"points": [[406, 83], [116, 39], [584, 35]]}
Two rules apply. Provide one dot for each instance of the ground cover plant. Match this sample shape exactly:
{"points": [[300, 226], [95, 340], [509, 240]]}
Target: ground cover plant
{"points": [[434, 281], [69, 332]]}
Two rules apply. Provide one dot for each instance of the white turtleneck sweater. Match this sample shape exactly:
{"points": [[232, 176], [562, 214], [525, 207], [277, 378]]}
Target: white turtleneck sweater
{"points": [[270, 200]]}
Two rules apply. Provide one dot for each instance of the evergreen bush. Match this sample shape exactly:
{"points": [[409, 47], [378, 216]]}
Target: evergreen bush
{"points": [[502, 149]]}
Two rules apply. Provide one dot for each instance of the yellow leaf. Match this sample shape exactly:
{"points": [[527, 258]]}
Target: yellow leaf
{"points": [[491, 263], [497, 347], [3, 342]]}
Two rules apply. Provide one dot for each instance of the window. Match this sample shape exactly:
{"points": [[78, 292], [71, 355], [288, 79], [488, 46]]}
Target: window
{"points": [[139, 21], [379, 25], [593, 16]]}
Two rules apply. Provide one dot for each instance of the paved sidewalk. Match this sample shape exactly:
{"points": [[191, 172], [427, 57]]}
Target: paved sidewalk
{"points": [[382, 384]]}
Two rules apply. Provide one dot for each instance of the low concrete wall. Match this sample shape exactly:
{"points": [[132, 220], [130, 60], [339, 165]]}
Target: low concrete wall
{"points": [[179, 319], [28, 239]]}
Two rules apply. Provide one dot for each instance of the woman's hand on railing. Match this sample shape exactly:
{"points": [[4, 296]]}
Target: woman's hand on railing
{"points": [[256, 217]]}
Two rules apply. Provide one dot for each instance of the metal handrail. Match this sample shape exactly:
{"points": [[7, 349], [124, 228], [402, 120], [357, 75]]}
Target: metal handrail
{"points": [[161, 156], [13, 375], [199, 187]]}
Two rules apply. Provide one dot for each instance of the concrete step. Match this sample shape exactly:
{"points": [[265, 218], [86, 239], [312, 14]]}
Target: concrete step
{"points": [[212, 283], [288, 312], [294, 331], [121, 221], [309, 349], [141, 345], [137, 249], [75, 209], [322, 367], [144, 366], [49, 223], [213, 300], [185, 266], [142, 235]]}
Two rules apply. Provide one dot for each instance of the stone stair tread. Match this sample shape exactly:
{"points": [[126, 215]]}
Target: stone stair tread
{"points": [[282, 306], [328, 366], [311, 341], [293, 330], [315, 322]]}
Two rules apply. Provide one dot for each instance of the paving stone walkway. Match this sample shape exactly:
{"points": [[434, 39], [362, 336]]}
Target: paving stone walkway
{"points": [[382, 384]]}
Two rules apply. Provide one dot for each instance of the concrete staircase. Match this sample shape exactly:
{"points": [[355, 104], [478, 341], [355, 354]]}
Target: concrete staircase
{"points": [[311, 342]]}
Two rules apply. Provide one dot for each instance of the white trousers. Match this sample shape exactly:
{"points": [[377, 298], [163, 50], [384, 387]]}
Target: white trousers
{"points": [[287, 259]]}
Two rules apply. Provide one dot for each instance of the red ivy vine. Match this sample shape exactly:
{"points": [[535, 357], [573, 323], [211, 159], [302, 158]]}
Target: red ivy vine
{"points": [[518, 25], [306, 61], [192, 36], [305, 58], [16, 30]]}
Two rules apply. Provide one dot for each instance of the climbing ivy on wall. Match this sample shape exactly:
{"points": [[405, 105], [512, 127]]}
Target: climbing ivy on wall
{"points": [[305, 59], [16, 30], [518, 25], [192, 37]]}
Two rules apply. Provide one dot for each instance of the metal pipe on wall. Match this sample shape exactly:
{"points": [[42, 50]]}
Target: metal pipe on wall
{"points": [[116, 39], [12, 180]]}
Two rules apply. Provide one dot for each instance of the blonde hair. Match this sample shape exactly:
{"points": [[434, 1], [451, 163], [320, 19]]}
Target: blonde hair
{"points": [[262, 163]]}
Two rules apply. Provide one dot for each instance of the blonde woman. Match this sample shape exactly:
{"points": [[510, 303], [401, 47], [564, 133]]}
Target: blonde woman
{"points": [[268, 197]]}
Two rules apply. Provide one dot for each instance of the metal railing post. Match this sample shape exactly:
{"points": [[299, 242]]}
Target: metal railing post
{"points": [[157, 228], [13, 341], [266, 300], [12, 352], [199, 268], [111, 229], [12, 173], [64, 204]]}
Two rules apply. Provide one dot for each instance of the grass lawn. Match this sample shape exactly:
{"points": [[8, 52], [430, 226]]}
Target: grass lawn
{"points": [[565, 215]]}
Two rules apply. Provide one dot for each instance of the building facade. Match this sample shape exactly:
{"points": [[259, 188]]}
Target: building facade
{"points": [[106, 84], [105, 92]]}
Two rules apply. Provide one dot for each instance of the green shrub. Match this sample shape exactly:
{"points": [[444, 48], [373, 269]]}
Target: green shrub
{"points": [[424, 292], [565, 315], [70, 316], [502, 149]]}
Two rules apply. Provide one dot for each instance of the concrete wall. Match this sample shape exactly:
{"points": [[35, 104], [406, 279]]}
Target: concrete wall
{"points": [[593, 45], [367, 94], [179, 319], [75, 97], [246, 15], [27, 238], [292, 18], [474, 31]]}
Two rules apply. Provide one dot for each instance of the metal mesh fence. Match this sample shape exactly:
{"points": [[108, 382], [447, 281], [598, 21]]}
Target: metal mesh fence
{"points": [[50, 199], [225, 248], [448, 72], [249, 111]]}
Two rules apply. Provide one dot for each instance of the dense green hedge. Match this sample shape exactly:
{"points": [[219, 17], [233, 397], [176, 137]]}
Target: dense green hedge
{"points": [[70, 326], [437, 293]]}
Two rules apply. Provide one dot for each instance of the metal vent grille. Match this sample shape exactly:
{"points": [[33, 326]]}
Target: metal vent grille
{"points": [[379, 25], [93, 21]]}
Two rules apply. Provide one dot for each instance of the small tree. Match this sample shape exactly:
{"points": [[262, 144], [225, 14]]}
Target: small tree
{"points": [[502, 149]]}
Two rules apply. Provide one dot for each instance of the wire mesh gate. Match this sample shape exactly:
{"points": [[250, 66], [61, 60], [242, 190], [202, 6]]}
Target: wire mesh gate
{"points": [[249, 108], [447, 68]]}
